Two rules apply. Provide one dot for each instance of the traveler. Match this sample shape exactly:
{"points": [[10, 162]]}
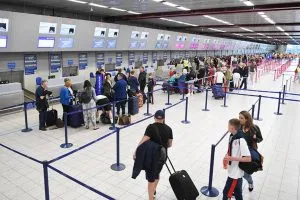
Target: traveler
{"points": [[42, 103], [252, 135], [142, 79], [162, 135], [228, 78], [238, 151], [297, 71], [102, 100], [100, 71], [252, 71], [120, 72], [107, 87], [236, 77], [190, 79], [120, 89], [133, 84], [66, 96], [88, 98], [150, 86], [219, 77], [244, 74]]}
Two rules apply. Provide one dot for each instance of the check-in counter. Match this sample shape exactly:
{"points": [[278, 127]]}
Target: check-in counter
{"points": [[11, 94]]}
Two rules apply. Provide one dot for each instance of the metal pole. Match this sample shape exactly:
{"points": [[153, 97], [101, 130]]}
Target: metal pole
{"points": [[66, 144], [46, 181], [113, 125], [225, 97], [258, 109], [185, 121], [290, 83], [148, 101], [206, 97], [253, 110], [283, 94], [278, 107], [168, 90], [183, 92], [118, 166], [26, 129], [209, 190]]}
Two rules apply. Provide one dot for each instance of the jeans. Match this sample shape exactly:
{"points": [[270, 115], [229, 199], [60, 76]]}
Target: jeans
{"points": [[248, 178], [42, 118], [233, 186], [66, 109], [244, 82]]}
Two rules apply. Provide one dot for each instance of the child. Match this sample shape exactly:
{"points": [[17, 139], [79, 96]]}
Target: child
{"points": [[238, 151], [151, 84]]}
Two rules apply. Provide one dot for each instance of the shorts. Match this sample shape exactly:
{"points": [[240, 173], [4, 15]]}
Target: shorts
{"points": [[103, 102], [152, 176]]}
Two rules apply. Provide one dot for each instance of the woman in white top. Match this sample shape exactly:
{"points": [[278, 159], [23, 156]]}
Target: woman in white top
{"points": [[219, 77]]}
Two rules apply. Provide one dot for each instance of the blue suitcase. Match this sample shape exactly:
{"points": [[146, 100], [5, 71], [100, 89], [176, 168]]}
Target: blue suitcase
{"points": [[133, 106], [218, 92], [76, 119]]}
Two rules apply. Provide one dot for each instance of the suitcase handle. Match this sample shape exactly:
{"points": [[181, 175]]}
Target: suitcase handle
{"points": [[168, 159]]}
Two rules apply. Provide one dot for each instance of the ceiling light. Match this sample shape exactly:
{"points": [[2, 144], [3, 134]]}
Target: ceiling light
{"points": [[135, 13], [157, 0], [248, 3], [214, 29], [219, 20], [264, 16], [261, 13], [169, 4], [183, 8], [286, 34], [97, 5], [279, 28], [260, 34], [237, 34], [178, 22], [117, 9], [268, 36], [77, 1], [246, 29], [270, 21]]}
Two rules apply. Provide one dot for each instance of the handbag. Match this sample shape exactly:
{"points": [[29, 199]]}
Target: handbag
{"points": [[124, 120]]}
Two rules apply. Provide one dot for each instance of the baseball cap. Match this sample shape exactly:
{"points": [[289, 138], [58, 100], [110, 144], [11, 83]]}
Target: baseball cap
{"points": [[159, 114]]}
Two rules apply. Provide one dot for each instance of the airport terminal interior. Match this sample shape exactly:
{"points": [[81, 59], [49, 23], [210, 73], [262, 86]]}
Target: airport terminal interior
{"points": [[149, 99]]}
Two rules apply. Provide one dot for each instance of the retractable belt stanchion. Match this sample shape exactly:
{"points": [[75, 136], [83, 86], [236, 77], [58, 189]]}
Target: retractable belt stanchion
{"points": [[118, 166], [185, 121], [253, 111], [225, 99], [66, 144], [168, 90], [113, 125], [206, 97], [148, 101], [46, 181], [283, 94], [183, 93], [278, 106], [26, 129], [258, 109]]}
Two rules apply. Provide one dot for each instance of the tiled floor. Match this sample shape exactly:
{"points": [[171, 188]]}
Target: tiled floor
{"points": [[21, 178]]}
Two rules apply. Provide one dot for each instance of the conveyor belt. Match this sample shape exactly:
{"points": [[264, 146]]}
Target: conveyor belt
{"points": [[28, 96]]}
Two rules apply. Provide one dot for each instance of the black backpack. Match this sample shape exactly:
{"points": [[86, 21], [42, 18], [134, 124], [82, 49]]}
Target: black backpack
{"points": [[85, 96]]}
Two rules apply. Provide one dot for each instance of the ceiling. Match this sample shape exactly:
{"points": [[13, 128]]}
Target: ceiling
{"points": [[225, 17]]}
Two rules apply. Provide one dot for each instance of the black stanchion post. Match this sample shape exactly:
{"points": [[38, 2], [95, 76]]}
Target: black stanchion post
{"points": [[283, 94], [148, 101], [46, 181], [225, 99], [185, 121], [253, 111], [206, 97], [26, 129], [113, 125], [168, 90], [258, 109], [118, 166], [183, 93], [278, 106], [209, 190], [66, 144]]}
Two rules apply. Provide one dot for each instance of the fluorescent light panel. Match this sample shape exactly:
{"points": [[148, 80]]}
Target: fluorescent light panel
{"points": [[279, 28], [248, 3], [245, 29], [178, 22], [135, 13], [97, 5], [117, 9], [219, 20], [261, 13], [77, 1], [237, 34], [270, 20], [183, 8], [169, 4], [214, 29], [157, 0]]}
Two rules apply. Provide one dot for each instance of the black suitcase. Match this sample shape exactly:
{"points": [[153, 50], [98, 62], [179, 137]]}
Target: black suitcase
{"points": [[182, 184], [76, 119], [51, 117], [133, 106]]}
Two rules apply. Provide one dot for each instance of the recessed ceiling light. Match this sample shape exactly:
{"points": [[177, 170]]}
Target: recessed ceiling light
{"points": [[98, 5], [270, 21], [169, 4], [261, 13], [157, 0], [77, 1], [135, 13], [260, 34], [214, 29], [279, 28], [246, 29], [247, 2], [218, 20], [183, 8], [117, 9], [237, 34]]}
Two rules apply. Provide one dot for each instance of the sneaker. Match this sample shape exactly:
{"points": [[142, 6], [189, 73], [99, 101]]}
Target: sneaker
{"points": [[95, 128], [251, 187], [154, 196], [42, 129], [87, 127]]}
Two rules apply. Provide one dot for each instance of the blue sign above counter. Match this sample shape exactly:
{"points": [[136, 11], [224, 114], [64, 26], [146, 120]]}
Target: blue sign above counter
{"points": [[30, 63], [11, 65]]}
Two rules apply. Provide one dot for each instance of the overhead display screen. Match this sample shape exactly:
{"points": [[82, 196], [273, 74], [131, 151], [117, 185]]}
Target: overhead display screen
{"points": [[67, 29], [167, 37], [144, 35], [135, 34], [134, 45], [3, 41], [66, 42], [179, 38], [160, 36], [4, 25], [111, 44], [98, 43], [100, 32], [143, 45], [46, 42], [113, 33], [47, 28]]}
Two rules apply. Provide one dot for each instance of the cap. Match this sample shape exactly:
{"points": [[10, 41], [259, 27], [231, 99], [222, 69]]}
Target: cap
{"points": [[159, 114]]}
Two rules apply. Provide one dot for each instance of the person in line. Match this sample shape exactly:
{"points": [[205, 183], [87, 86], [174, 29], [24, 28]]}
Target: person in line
{"points": [[142, 79], [66, 96], [236, 77], [244, 75], [107, 87], [228, 79], [190, 79], [161, 134], [150, 87], [100, 71], [252, 71], [252, 134], [297, 73], [238, 151], [120, 72], [133, 84], [219, 77], [90, 102], [42, 103], [120, 89], [181, 82], [102, 100]]}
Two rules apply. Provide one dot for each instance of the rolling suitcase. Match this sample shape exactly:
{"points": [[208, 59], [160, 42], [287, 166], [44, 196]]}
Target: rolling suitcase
{"points": [[218, 92], [182, 184], [140, 97], [133, 106], [51, 117], [76, 119]]}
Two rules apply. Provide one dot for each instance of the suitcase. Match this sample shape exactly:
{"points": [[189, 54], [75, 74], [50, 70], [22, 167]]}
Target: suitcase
{"points": [[218, 92], [140, 97], [51, 117], [133, 106], [76, 120], [182, 184]]}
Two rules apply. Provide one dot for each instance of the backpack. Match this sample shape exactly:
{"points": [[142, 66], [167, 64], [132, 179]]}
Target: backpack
{"points": [[85, 96], [104, 118], [59, 123]]}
